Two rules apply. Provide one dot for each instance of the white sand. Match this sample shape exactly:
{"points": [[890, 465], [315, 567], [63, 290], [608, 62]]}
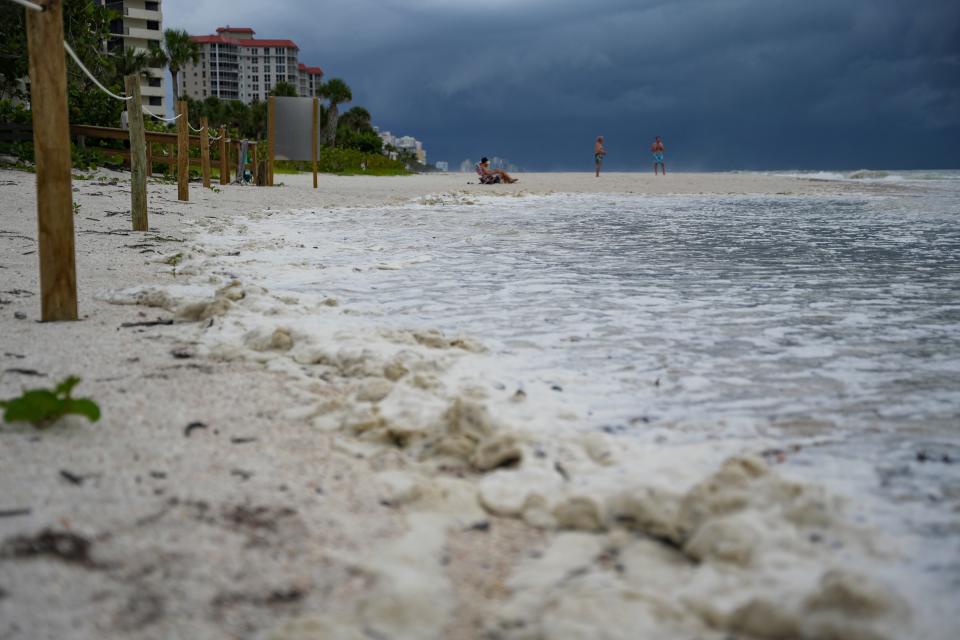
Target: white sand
{"points": [[367, 505]]}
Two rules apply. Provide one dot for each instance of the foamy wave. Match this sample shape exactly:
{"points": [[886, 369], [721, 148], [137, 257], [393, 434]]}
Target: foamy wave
{"points": [[884, 176], [473, 438], [869, 175]]}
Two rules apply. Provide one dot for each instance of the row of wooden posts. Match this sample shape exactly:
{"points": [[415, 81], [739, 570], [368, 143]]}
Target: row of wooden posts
{"points": [[229, 149], [51, 137], [141, 162]]}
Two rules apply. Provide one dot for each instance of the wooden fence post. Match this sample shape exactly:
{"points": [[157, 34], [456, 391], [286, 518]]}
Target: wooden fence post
{"points": [[51, 136], [171, 167], [183, 153], [313, 139], [256, 171], [138, 154], [224, 160], [149, 159], [205, 151], [271, 138]]}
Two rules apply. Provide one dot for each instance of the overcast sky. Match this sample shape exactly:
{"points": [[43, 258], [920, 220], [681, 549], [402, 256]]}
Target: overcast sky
{"points": [[728, 84]]}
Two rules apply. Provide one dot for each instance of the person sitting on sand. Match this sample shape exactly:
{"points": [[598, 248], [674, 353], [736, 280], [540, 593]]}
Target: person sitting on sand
{"points": [[657, 150], [598, 153], [492, 176]]}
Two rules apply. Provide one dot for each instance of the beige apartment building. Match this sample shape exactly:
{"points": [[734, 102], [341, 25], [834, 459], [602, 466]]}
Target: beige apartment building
{"points": [[234, 65], [140, 26]]}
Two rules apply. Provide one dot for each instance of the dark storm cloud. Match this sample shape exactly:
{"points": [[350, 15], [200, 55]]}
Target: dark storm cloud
{"points": [[728, 83]]}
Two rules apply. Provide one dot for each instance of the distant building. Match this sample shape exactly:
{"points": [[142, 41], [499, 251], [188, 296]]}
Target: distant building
{"points": [[442, 166], [140, 27], [404, 143], [236, 66], [468, 166], [310, 80]]}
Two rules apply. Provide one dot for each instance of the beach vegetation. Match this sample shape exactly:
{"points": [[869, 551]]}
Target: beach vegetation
{"points": [[349, 142], [178, 50], [355, 131], [284, 89], [337, 92], [128, 62], [346, 161], [43, 407], [241, 120], [86, 28]]}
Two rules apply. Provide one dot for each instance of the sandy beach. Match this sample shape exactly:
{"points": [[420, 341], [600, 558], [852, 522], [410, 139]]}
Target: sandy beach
{"points": [[264, 470]]}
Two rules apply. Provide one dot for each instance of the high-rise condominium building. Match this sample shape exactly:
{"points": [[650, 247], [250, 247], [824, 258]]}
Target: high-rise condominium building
{"points": [[140, 26], [236, 66]]}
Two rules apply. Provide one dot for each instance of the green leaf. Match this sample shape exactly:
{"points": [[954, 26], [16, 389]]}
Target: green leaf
{"points": [[33, 406], [83, 407], [64, 388], [44, 406]]}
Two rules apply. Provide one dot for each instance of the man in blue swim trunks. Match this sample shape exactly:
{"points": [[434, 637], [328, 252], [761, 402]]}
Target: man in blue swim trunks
{"points": [[598, 153], [657, 150]]}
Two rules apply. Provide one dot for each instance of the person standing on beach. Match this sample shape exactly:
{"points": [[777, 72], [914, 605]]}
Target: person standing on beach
{"points": [[598, 153], [657, 150]]}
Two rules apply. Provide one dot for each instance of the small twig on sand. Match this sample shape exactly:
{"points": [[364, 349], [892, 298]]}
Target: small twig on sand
{"points": [[26, 372], [72, 478], [14, 513], [193, 425], [149, 323]]}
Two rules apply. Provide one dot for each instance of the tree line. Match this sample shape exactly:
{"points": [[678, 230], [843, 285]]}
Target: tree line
{"points": [[87, 28]]}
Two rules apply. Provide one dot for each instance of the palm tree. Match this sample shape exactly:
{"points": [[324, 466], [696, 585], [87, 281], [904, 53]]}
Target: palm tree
{"points": [[178, 50], [336, 92], [356, 119], [129, 62]]}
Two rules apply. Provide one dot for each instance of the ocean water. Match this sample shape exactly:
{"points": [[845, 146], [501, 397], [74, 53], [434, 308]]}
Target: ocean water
{"points": [[756, 312], [830, 324]]}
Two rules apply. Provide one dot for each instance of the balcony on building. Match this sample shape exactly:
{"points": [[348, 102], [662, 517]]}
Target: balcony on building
{"points": [[150, 90], [143, 33], [143, 14]]}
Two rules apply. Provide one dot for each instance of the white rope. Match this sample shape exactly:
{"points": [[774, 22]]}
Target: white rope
{"points": [[200, 130], [28, 5], [214, 138], [151, 113], [90, 75]]}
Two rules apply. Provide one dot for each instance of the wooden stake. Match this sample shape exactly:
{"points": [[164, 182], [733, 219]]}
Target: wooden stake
{"points": [[224, 161], [271, 138], [205, 151], [183, 153], [256, 170], [313, 140], [241, 162], [138, 154], [51, 145]]}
